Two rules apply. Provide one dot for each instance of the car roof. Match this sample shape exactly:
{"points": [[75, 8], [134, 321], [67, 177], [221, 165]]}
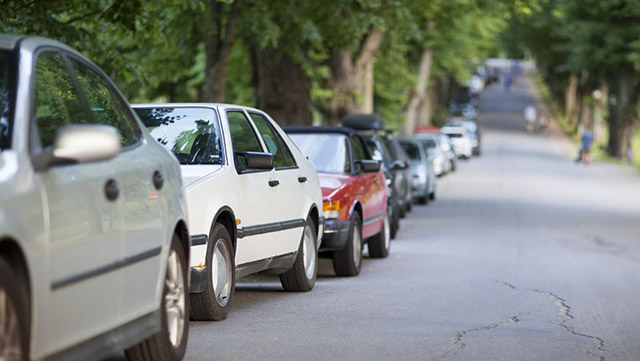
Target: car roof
{"points": [[317, 129], [454, 129], [9, 41], [362, 121], [194, 105]]}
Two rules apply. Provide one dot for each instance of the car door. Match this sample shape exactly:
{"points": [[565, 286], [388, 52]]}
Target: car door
{"points": [[84, 219], [290, 191], [139, 178], [373, 193], [258, 212]]}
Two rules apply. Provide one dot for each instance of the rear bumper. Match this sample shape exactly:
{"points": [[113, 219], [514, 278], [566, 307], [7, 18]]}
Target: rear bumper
{"points": [[336, 234]]}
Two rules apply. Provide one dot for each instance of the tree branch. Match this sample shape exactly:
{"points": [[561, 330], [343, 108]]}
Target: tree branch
{"points": [[369, 47], [77, 18]]}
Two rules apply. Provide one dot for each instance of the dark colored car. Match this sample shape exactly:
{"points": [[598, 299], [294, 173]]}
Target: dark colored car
{"points": [[354, 195], [399, 155], [368, 126]]}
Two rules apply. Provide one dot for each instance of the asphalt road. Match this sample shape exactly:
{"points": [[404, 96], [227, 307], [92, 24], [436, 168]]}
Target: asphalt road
{"points": [[523, 256]]}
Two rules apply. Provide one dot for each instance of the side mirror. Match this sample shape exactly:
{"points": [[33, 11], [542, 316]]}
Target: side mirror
{"points": [[258, 160], [399, 164], [369, 165], [80, 143]]}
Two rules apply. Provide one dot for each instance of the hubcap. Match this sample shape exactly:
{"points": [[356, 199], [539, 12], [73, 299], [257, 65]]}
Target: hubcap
{"points": [[175, 299], [387, 233], [221, 272], [10, 342], [357, 247], [309, 252]]}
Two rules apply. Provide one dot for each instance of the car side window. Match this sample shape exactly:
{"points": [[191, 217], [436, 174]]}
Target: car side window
{"points": [[243, 138], [106, 107], [57, 102], [282, 157], [358, 151]]}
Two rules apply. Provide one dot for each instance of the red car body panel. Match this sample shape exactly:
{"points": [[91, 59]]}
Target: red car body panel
{"points": [[367, 189]]}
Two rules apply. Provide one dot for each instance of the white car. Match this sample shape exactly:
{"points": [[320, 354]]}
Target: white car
{"points": [[254, 199], [94, 246], [461, 140], [431, 141]]}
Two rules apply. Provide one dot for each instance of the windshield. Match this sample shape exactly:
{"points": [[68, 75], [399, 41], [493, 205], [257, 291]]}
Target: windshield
{"points": [[192, 134], [5, 96], [430, 143], [328, 152], [411, 149]]}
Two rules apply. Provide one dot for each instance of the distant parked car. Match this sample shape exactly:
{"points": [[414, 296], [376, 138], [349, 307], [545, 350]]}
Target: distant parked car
{"points": [[399, 155], [254, 200], [368, 126], [444, 145], [474, 132], [94, 247], [423, 182], [461, 140], [354, 195]]}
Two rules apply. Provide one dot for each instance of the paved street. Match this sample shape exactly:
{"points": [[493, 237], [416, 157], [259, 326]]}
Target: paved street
{"points": [[524, 256]]}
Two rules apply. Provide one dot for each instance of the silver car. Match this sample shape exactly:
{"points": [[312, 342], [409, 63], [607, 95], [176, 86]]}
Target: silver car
{"points": [[423, 180], [94, 247]]}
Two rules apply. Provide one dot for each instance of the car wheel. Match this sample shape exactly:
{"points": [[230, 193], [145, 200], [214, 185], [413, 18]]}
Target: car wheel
{"points": [[395, 222], [380, 243], [348, 260], [14, 329], [409, 204], [302, 276], [170, 343], [214, 302], [432, 195], [423, 199], [402, 210]]}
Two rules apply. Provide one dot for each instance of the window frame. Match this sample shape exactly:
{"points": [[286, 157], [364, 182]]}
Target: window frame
{"points": [[33, 133], [12, 83], [275, 131], [255, 132]]}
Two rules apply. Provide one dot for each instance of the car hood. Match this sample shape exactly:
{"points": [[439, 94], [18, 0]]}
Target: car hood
{"points": [[191, 174], [333, 184]]}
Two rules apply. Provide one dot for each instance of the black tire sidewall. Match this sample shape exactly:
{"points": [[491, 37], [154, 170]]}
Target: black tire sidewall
{"points": [[17, 295], [220, 232]]}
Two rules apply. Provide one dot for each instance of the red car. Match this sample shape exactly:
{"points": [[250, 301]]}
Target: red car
{"points": [[354, 192]]}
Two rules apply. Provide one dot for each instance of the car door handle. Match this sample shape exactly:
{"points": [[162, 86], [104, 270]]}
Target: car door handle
{"points": [[274, 183], [302, 179], [111, 190], [158, 180]]}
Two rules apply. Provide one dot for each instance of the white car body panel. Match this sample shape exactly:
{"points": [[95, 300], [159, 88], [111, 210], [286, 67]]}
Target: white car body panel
{"points": [[462, 144]]}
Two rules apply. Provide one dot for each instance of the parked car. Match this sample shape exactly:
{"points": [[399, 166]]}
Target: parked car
{"points": [[445, 148], [354, 194], [254, 200], [398, 155], [94, 246], [423, 181], [474, 132], [461, 140], [367, 126]]}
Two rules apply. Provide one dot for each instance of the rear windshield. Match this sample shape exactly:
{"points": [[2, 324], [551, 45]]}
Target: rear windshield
{"points": [[411, 149], [454, 135], [328, 152], [430, 143], [5, 100], [192, 134]]}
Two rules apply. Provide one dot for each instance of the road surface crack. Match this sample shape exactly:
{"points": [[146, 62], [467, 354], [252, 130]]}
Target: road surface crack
{"points": [[565, 311], [457, 338]]}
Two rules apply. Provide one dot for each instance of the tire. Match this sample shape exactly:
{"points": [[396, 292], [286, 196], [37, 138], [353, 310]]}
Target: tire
{"points": [[214, 302], [14, 325], [380, 243], [302, 276], [432, 195], [423, 200], [409, 205], [167, 345], [395, 222], [347, 262]]}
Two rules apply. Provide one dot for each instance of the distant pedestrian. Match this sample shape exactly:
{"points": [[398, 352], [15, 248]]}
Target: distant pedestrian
{"points": [[507, 82], [585, 150], [531, 115]]}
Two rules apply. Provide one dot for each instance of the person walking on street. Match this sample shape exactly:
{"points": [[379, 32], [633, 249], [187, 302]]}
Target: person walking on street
{"points": [[507, 82], [531, 115], [585, 150]]}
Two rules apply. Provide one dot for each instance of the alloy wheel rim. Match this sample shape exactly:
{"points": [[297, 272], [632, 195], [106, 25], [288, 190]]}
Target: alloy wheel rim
{"points": [[309, 252], [221, 272], [10, 340], [175, 299], [387, 233], [357, 247]]}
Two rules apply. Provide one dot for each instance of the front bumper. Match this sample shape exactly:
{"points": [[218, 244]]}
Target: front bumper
{"points": [[336, 234]]}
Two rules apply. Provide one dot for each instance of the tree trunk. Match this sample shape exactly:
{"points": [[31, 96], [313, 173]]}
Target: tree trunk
{"points": [[282, 88], [570, 100], [623, 106], [218, 46], [419, 100], [352, 81]]}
